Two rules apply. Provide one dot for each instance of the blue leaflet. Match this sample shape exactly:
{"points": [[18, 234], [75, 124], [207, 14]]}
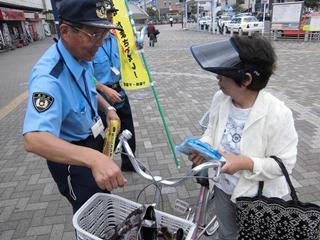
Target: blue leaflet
{"points": [[194, 144]]}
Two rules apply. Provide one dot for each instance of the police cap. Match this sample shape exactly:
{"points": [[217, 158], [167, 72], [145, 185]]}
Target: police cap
{"points": [[111, 7], [87, 12]]}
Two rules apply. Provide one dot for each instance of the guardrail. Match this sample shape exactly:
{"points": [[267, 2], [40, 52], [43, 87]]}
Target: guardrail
{"points": [[269, 33], [306, 37]]}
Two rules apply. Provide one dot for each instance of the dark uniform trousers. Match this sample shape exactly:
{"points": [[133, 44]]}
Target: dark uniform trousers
{"points": [[81, 184], [125, 115]]}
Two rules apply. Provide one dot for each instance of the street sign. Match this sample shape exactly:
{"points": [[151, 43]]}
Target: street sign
{"points": [[288, 12]]}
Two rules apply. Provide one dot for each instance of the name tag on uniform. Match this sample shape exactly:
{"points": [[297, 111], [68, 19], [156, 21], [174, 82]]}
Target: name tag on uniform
{"points": [[115, 70], [97, 128]]}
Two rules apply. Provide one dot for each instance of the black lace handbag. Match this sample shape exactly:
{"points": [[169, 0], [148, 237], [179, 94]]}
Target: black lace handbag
{"points": [[273, 218]]}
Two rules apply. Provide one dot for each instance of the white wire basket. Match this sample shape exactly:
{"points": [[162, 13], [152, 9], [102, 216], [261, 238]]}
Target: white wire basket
{"points": [[102, 212]]}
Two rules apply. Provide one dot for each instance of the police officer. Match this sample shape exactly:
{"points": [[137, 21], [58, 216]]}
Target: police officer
{"points": [[62, 122], [107, 72]]}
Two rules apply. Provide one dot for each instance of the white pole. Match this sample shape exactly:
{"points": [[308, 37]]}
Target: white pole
{"points": [[186, 13], [198, 15], [159, 11], [253, 6], [264, 12], [212, 9], [213, 15]]}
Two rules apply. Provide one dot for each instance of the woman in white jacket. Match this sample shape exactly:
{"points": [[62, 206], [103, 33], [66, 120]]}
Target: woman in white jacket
{"points": [[247, 124]]}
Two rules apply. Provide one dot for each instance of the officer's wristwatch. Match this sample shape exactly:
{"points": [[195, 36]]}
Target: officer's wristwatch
{"points": [[110, 108]]}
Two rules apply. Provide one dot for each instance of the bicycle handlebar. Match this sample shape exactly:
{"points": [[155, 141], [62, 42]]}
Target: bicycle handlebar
{"points": [[123, 142]]}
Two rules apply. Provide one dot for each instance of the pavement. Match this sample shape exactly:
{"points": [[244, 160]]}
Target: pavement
{"points": [[31, 207]]}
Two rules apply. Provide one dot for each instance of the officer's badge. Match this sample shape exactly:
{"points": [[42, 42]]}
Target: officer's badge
{"points": [[102, 8], [42, 101]]}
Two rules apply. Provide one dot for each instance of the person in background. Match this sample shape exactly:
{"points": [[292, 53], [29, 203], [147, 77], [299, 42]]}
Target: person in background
{"points": [[152, 32], [247, 124], [62, 122], [171, 21], [107, 68]]}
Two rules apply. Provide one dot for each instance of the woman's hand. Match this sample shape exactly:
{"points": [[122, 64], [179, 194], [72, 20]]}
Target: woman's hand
{"points": [[235, 163], [196, 158]]}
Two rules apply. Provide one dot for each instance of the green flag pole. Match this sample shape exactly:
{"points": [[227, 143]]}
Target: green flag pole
{"points": [[177, 161]]}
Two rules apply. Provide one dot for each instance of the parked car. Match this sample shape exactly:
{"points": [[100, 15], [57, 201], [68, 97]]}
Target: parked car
{"points": [[244, 24], [243, 14], [206, 20], [267, 16]]}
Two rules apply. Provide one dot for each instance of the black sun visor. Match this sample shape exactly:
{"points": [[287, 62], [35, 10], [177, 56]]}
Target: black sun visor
{"points": [[219, 57]]}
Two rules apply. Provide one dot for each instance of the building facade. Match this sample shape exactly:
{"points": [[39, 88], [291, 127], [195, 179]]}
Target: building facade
{"points": [[24, 21], [165, 8]]}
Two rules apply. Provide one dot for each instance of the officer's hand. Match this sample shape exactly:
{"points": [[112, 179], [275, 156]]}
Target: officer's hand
{"points": [[107, 174], [113, 95], [112, 115]]}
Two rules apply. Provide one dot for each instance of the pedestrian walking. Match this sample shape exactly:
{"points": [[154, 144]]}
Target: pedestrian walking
{"points": [[171, 21], [220, 26], [62, 122], [152, 33], [107, 72], [247, 124]]}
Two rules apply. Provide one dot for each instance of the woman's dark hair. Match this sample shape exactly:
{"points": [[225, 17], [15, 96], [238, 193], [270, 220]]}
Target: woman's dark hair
{"points": [[258, 59]]}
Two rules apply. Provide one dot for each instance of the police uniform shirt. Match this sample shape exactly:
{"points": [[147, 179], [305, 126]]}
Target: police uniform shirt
{"points": [[107, 55], [56, 104]]}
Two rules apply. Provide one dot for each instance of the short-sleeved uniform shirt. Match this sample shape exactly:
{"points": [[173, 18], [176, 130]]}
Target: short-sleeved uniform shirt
{"points": [[106, 58], [56, 104]]}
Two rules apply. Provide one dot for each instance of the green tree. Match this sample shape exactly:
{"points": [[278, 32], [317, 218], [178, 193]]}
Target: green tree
{"points": [[237, 8], [193, 8], [314, 4], [152, 12]]}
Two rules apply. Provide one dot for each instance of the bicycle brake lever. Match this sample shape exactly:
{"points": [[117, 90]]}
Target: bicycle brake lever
{"points": [[218, 172], [124, 136]]}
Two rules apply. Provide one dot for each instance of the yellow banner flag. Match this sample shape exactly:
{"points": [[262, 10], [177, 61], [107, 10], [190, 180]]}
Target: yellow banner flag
{"points": [[133, 72]]}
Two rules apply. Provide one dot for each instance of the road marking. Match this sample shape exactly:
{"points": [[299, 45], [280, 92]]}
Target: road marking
{"points": [[13, 104]]}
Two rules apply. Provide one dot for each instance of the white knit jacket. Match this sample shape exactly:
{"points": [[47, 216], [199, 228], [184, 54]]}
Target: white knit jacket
{"points": [[269, 130]]}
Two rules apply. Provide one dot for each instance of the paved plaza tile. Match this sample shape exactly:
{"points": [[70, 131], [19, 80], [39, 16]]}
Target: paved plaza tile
{"points": [[31, 207]]}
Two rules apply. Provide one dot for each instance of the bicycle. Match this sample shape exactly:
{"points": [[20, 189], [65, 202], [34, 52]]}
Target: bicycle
{"points": [[206, 223], [200, 222]]}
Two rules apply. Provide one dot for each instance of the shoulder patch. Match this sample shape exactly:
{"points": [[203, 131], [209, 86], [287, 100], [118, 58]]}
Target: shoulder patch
{"points": [[42, 101], [57, 70]]}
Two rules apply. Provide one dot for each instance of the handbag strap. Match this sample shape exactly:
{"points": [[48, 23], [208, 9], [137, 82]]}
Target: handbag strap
{"points": [[286, 175]]}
